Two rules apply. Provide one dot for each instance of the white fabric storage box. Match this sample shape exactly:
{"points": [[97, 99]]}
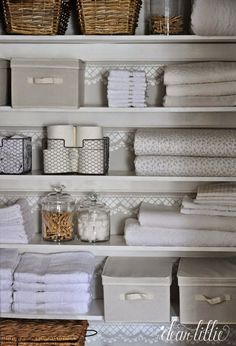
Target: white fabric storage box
{"points": [[47, 83], [4, 82], [137, 289], [207, 290]]}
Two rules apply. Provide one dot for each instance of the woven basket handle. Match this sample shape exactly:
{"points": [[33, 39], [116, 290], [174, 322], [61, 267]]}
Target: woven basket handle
{"points": [[214, 300]]}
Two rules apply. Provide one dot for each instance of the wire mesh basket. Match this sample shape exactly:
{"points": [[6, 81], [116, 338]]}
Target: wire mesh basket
{"points": [[108, 17], [16, 332], [90, 159], [36, 17], [15, 155]]}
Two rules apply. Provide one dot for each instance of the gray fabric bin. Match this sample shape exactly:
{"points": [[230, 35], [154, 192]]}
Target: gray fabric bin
{"points": [[5, 81], [137, 289], [57, 83], [207, 290]]}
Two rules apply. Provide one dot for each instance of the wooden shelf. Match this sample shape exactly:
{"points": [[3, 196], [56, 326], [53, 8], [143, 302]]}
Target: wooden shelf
{"points": [[116, 181]]}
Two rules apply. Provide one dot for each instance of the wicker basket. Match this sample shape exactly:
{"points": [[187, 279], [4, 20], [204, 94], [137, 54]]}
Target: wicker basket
{"points": [[16, 332], [36, 17], [108, 17]]}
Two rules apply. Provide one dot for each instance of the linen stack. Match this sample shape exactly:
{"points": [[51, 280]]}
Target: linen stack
{"points": [[16, 224], [54, 283], [185, 152], [204, 84], [167, 226], [126, 88], [214, 199], [9, 259]]}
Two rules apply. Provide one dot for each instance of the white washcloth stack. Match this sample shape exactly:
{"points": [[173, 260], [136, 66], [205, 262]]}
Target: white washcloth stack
{"points": [[9, 259], [214, 199], [54, 283], [16, 224], [167, 226], [126, 88], [204, 84]]}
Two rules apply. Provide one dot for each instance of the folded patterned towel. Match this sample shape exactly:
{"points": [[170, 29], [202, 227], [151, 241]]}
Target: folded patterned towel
{"points": [[228, 203], [155, 216], [200, 72], [53, 308], [160, 236], [214, 17], [218, 190], [190, 203], [189, 207], [203, 89], [70, 267], [9, 259], [185, 166], [41, 287], [186, 142], [200, 101], [66, 296]]}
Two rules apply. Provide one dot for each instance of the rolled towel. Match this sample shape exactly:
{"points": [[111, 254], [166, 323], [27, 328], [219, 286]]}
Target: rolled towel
{"points": [[214, 17], [137, 235], [66, 296], [9, 259], [155, 216], [56, 308], [40, 287], [185, 166], [186, 142], [200, 72], [189, 207], [61, 268], [200, 101], [203, 89]]}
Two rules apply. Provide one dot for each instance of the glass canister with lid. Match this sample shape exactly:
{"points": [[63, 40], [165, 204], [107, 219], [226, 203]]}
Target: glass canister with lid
{"points": [[93, 220], [58, 216]]}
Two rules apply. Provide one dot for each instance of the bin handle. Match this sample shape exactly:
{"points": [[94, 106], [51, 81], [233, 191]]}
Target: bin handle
{"points": [[45, 80], [136, 296], [214, 300]]}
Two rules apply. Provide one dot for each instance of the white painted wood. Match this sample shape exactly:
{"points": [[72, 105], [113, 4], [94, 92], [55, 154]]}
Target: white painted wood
{"points": [[116, 181]]}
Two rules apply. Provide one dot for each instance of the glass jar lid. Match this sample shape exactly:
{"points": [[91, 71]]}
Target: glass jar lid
{"points": [[91, 202], [58, 196]]}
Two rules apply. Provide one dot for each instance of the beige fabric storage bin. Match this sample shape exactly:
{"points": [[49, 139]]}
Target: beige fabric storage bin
{"points": [[137, 289], [4, 82], [46, 83], [207, 290]]}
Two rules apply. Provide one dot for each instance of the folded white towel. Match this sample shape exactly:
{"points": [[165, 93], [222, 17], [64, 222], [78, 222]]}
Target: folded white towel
{"points": [[126, 105], [41, 287], [155, 236], [77, 308], [218, 190], [214, 17], [70, 267], [126, 73], [184, 166], [5, 284], [14, 234], [186, 142], [9, 259], [216, 202], [5, 307], [190, 203], [66, 296], [200, 72], [200, 101], [6, 296], [152, 215], [191, 208], [203, 89]]}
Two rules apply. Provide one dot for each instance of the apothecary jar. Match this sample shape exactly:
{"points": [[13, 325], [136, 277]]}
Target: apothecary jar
{"points": [[93, 220], [168, 17], [58, 216]]}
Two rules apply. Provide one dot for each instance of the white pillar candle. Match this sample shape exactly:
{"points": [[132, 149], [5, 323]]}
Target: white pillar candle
{"points": [[66, 132], [88, 132]]}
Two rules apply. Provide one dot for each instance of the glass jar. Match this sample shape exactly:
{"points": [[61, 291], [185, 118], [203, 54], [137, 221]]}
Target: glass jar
{"points": [[93, 220], [57, 210], [168, 17]]}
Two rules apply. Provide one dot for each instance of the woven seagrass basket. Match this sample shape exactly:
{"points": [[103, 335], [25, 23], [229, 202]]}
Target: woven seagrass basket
{"points": [[108, 17], [36, 17], [16, 332]]}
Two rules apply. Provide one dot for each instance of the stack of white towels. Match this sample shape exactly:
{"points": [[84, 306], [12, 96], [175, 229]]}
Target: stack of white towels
{"points": [[168, 226], [54, 283], [126, 88], [204, 84], [9, 258], [185, 152], [16, 224]]}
